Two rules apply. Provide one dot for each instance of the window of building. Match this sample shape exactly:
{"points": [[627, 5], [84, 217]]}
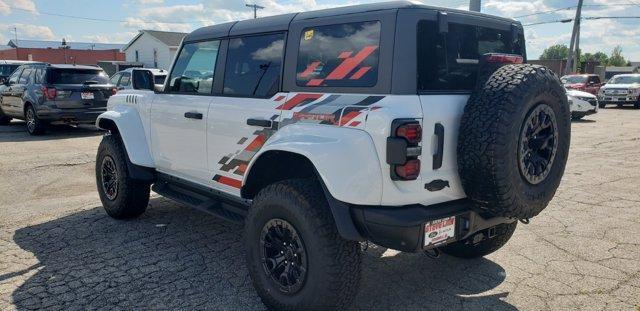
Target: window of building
{"points": [[449, 61], [155, 58], [194, 69], [253, 65], [342, 55], [137, 56]]}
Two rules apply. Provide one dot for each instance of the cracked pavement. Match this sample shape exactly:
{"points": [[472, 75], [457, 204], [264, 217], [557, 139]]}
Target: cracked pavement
{"points": [[59, 250]]}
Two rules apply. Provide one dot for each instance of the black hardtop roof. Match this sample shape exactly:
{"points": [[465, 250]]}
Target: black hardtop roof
{"points": [[281, 22]]}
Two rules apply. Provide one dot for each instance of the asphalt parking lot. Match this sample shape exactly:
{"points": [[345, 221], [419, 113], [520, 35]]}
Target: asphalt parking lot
{"points": [[59, 250]]}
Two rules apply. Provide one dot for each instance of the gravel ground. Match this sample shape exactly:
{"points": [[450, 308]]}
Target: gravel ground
{"points": [[58, 249]]}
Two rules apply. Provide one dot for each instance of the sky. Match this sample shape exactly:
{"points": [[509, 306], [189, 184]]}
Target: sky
{"points": [[118, 21]]}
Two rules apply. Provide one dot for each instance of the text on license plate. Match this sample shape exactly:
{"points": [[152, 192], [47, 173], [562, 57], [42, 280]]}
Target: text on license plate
{"points": [[439, 231], [86, 95]]}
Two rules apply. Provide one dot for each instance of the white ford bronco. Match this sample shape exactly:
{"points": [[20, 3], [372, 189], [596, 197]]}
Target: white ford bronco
{"points": [[413, 127]]}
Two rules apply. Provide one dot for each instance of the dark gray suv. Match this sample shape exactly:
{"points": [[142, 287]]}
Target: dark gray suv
{"points": [[43, 94]]}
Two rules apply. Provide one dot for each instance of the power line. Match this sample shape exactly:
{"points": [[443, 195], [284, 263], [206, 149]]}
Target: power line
{"points": [[573, 7], [568, 20], [545, 12], [92, 18]]}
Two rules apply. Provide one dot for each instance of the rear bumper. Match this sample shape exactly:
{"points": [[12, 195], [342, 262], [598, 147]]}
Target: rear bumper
{"points": [[402, 227], [74, 116]]}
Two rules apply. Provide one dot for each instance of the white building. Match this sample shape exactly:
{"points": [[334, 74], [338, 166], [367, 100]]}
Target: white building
{"points": [[155, 49]]}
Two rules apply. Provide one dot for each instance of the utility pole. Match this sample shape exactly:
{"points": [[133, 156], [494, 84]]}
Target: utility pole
{"points": [[255, 8], [575, 41], [474, 5]]}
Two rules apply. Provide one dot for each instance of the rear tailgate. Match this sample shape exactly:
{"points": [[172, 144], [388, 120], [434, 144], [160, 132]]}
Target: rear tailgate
{"points": [[73, 96]]}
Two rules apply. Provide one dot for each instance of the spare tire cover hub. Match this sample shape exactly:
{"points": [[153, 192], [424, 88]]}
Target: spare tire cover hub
{"points": [[538, 144]]}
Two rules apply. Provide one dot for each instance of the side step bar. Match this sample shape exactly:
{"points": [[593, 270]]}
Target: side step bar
{"points": [[201, 198]]}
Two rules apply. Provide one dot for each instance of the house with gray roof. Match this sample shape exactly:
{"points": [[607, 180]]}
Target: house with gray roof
{"points": [[154, 49]]}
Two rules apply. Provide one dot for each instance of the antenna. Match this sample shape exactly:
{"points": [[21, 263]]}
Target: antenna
{"points": [[255, 8]]}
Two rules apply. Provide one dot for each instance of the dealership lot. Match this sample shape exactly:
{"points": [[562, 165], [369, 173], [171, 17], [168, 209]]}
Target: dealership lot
{"points": [[59, 250]]}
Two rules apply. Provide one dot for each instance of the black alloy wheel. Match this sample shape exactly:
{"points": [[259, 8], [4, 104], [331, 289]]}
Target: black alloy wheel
{"points": [[284, 257], [109, 175], [31, 121], [538, 144]]}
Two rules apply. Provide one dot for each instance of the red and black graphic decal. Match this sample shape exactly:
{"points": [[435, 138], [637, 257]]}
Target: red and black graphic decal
{"points": [[338, 110], [235, 183], [347, 65]]}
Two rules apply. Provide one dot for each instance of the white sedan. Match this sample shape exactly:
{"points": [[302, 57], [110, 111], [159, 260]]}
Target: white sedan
{"points": [[582, 104]]}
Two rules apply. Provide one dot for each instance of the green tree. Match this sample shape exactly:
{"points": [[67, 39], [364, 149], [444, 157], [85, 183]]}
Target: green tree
{"points": [[597, 56], [558, 51], [616, 58]]}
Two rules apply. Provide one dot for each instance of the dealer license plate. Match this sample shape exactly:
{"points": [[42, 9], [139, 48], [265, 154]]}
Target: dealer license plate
{"points": [[439, 231], [86, 95]]}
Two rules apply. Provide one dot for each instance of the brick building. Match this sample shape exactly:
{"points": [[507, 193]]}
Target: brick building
{"points": [[53, 52]]}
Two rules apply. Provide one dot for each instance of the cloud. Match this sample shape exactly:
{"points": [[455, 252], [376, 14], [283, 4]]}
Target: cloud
{"points": [[120, 37], [137, 23], [7, 6], [146, 2], [29, 31]]}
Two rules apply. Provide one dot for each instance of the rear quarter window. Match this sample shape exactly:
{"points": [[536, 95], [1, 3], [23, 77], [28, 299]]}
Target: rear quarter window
{"points": [[76, 76], [340, 55], [449, 61]]}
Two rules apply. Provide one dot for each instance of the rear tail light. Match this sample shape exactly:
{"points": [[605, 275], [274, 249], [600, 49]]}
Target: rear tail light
{"points": [[403, 149], [114, 91], [503, 58], [50, 93], [412, 132], [408, 171]]}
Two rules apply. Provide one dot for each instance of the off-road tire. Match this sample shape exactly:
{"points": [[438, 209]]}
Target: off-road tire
{"points": [[637, 105], [489, 140], [132, 196], [602, 105], [37, 127], [467, 249], [333, 273]]}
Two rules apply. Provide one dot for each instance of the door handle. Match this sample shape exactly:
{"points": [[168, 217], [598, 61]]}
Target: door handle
{"points": [[439, 154], [259, 122], [193, 115]]}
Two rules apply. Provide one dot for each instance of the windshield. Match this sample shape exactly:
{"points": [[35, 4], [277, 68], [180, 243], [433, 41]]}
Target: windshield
{"points": [[159, 79], [77, 76], [7, 70], [624, 80], [573, 79]]}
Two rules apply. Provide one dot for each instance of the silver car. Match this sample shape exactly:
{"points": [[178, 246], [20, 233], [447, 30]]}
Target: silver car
{"points": [[621, 90], [122, 79]]}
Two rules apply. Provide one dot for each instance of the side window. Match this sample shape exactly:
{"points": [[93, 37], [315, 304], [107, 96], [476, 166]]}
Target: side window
{"points": [[342, 55], [594, 79], [449, 61], [114, 79], [194, 68], [125, 80], [39, 76], [253, 65], [25, 77], [13, 79]]}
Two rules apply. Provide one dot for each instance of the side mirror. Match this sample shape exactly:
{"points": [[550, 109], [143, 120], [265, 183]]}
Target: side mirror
{"points": [[143, 80]]}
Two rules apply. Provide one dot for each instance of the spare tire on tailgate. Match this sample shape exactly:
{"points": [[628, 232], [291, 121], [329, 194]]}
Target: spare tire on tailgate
{"points": [[514, 141]]}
